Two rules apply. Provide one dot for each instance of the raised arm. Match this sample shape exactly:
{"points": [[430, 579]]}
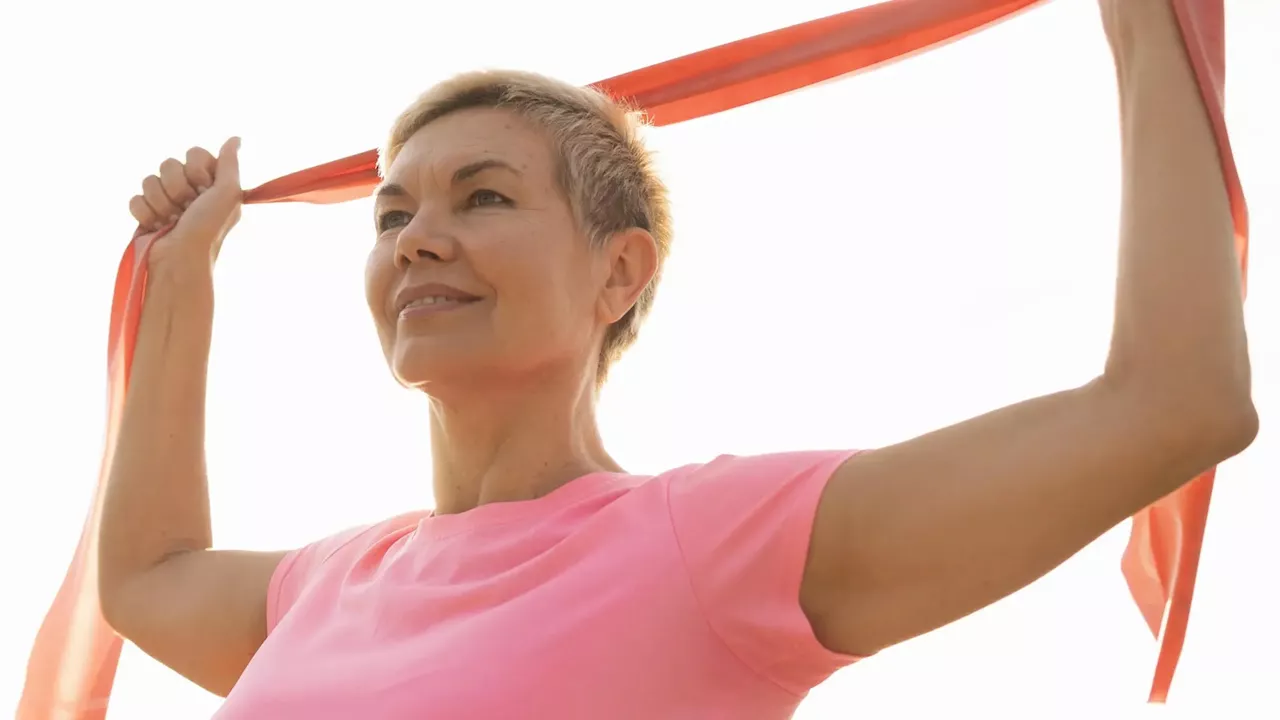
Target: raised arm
{"points": [[911, 537], [202, 612]]}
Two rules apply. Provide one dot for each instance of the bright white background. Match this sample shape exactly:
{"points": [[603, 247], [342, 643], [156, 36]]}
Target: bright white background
{"points": [[854, 264]]}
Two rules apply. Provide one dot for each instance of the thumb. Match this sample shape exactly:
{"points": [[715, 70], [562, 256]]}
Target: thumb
{"points": [[228, 170]]}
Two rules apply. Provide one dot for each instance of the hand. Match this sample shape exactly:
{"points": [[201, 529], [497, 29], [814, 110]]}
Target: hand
{"points": [[200, 198]]}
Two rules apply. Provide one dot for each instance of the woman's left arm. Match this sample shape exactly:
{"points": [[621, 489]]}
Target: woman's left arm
{"points": [[913, 536]]}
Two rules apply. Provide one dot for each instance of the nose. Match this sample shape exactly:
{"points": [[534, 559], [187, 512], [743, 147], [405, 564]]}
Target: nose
{"points": [[423, 239]]}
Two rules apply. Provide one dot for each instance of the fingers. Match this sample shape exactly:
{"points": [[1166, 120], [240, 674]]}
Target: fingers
{"points": [[173, 180], [177, 185], [200, 167], [143, 213], [228, 171], [164, 208]]}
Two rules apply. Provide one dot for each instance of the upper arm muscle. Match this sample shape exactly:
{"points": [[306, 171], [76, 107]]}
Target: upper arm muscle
{"points": [[913, 536], [201, 613]]}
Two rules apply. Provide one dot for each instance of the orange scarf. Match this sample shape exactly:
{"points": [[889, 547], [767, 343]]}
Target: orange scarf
{"points": [[73, 663]]}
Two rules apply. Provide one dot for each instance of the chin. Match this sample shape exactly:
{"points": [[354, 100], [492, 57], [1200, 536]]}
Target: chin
{"points": [[433, 367], [419, 368], [438, 362]]}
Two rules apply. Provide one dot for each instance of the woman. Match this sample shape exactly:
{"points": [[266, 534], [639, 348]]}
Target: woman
{"points": [[519, 236]]}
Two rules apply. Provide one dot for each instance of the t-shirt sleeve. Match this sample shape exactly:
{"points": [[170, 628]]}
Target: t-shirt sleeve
{"points": [[302, 568], [299, 567], [743, 525]]}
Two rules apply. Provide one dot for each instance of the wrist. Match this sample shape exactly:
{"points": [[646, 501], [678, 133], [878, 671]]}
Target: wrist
{"points": [[187, 286], [1147, 39]]}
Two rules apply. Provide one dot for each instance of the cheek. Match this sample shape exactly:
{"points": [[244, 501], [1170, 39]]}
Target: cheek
{"points": [[544, 296], [379, 274]]}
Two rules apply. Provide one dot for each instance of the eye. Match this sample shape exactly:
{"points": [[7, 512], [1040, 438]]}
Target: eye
{"points": [[393, 219], [485, 198]]}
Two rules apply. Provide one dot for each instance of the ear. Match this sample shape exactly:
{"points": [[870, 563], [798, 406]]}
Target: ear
{"points": [[632, 260]]}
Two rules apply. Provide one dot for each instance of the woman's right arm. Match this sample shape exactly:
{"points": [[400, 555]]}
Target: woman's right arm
{"points": [[200, 611]]}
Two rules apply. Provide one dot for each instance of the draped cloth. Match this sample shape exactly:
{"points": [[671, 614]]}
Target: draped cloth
{"points": [[73, 662]]}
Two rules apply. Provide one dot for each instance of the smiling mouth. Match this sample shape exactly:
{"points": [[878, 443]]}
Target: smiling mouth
{"points": [[433, 304]]}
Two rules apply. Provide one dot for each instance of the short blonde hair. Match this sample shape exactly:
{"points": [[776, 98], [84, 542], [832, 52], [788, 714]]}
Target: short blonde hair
{"points": [[602, 165]]}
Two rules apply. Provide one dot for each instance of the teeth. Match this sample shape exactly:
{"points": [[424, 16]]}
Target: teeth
{"points": [[433, 300]]}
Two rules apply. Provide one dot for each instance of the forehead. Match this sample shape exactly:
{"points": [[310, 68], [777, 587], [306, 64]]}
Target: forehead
{"points": [[467, 136]]}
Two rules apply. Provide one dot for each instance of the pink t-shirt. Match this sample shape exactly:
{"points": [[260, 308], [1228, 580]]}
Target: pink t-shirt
{"points": [[616, 596]]}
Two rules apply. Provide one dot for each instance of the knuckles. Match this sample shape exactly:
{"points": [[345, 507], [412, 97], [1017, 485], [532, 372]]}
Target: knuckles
{"points": [[199, 156], [188, 180]]}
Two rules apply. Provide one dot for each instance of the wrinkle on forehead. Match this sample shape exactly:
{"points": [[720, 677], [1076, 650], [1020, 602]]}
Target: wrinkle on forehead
{"points": [[434, 153]]}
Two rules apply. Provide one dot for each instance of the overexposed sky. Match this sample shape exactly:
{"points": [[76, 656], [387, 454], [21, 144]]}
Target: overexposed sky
{"points": [[854, 264]]}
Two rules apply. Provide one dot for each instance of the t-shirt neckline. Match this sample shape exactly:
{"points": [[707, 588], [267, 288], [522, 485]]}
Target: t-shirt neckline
{"points": [[500, 513]]}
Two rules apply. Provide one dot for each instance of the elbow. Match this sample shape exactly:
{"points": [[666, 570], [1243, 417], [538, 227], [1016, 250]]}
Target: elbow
{"points": [[1201, 398], [120, 606], [1222, 417], [1199, 436], [115, 597], [111, 600], [109, 606], [109, 584], [1236, 426], [1202, 423]]}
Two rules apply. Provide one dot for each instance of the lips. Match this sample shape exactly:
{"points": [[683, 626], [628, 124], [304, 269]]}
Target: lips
{"points": [[430, 297]]}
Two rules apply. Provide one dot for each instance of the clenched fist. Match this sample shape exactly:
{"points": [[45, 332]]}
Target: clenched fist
{"points": [[199, 199]]}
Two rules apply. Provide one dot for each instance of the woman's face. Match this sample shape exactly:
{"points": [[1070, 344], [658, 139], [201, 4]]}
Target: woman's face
{"points": [[479, 269]]}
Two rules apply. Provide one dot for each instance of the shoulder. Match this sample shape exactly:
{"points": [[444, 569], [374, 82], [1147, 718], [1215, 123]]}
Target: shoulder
{"points": [[332, 555], [740, 504], [745, 476], [743, 525], [352, 541]]}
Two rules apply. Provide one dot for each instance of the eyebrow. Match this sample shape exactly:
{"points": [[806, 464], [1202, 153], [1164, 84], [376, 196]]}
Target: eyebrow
{"points": [[466, 172], [470, 170]]}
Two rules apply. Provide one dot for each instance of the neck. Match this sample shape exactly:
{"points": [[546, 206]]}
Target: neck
{"points": [[504, 444]]}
